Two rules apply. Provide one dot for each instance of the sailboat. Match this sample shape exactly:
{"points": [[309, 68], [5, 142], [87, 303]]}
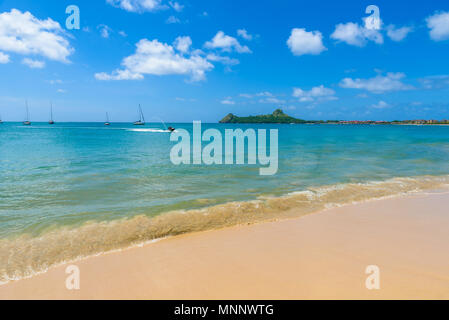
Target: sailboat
{"points": [[141, 120], [1, 119], [27, 119], [107, 123], [51, 114]]}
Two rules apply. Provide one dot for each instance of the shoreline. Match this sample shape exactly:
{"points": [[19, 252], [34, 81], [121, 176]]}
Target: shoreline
{"points": [[24, 257], [317, 256]]}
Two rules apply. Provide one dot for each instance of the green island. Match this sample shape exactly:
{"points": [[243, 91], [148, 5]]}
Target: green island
{"points": [[278, 116]]}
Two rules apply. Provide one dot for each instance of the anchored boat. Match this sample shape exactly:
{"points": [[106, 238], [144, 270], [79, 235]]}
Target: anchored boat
{"points": [[51, 114], [107, 123], [141, 120], [27, 121]]}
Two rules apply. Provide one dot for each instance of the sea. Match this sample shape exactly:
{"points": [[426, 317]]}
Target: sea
{"points": [[73, 190]]}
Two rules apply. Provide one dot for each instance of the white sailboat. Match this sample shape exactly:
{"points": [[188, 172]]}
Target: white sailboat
{"points": [[141, 120], [107, 123], [51, 114], [1, 119], [27, 121]]}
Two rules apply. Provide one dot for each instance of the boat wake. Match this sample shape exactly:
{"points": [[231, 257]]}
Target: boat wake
{"points": [[149, 130]]}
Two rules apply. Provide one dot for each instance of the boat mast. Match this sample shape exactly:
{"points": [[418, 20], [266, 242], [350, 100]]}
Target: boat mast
{"points": [[27, 111], [51, 112], [142, 118]]}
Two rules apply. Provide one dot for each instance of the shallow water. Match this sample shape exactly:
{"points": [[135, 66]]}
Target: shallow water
{"points": [[76, 189]]}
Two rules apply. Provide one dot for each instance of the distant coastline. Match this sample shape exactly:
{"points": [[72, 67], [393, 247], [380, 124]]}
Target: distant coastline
{"points": [[278, 116]]}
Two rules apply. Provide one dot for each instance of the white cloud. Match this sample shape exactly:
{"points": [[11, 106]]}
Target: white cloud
{"points": [[316, 93], [122, 33], [227, 100], [398, 34], [222, 59], [176, 6], [259, 94], [380, 105], [379, 84], [355, 34], [182, 44], [172, 20], [119, 75], [35, 64], [156, 58], [4, 58], [24, 34], [104, 30], [264, 94], [439, 26], [303, 42], [185, 99], [138, 5], [272, 100], [226, 43], [244, 34], [435, 82]]}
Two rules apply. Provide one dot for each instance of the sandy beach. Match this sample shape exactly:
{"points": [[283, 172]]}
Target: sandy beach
{"points": [[318, 256]]}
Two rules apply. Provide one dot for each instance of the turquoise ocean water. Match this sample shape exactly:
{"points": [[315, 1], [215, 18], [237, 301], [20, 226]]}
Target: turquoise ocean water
{"points": [[73, 189]]}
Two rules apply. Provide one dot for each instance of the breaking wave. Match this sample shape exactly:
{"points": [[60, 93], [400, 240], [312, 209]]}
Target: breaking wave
{"points": [[25, 255]]}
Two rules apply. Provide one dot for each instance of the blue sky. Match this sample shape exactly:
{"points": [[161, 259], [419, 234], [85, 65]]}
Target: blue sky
{"points": [[199, 60]]}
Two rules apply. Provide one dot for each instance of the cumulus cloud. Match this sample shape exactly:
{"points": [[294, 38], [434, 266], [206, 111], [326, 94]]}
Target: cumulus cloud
{"points": [[4, 58], [244, 34], [379, 84], [57, 81], [355, 34], [226, 43], [316, 93], [182, 44], [435, 82], [303, 42], [259, 94], [172, 20], [439, 26], [224, 60], [398, 34], [24, 34], [104, 30], [380, 105], [227, 100], [156, 58], [271, 100], [34, 64], [176, 6], [119, 75], [265, 97], [138, 5]]}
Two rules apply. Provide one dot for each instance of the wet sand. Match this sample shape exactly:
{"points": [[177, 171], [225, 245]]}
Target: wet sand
{"points": [[318, 256]]}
